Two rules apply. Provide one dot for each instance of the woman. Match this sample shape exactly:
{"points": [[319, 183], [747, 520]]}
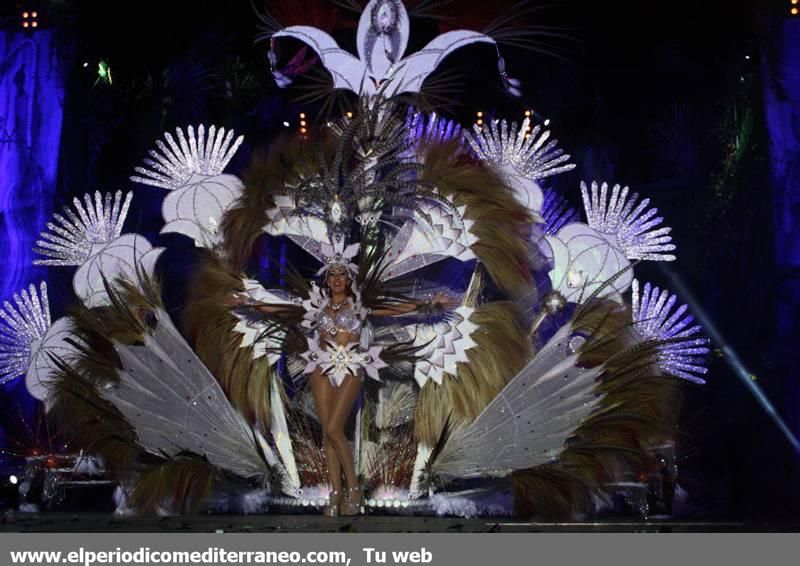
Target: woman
{"points": [[338, 323], [338, 319]]}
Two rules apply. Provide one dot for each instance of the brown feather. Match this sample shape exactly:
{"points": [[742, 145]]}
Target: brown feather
{"points": [[209, 325], [502, 350], [501, 222], [181, 484], [638, 413]]}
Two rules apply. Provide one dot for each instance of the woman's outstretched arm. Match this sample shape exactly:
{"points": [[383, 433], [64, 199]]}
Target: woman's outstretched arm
{"points": [[438, 301], [243, 300]]}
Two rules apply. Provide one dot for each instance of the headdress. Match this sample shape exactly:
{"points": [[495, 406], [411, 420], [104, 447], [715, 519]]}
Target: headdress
{"points": [[336, 255]]}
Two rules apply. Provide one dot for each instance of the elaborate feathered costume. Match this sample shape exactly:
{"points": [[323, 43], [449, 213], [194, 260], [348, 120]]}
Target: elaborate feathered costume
{"points": [[412, 206]]}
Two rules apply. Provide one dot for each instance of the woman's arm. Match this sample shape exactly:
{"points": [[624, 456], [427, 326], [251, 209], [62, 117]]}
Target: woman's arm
{"points": [[243, 300], [438, 301]]}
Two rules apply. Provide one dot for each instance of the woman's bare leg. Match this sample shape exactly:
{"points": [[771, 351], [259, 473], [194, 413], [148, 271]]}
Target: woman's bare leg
{"points": [[344, 398], [324, 394]]}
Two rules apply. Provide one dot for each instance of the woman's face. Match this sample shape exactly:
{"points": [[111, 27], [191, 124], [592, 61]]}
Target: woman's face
{"points": [[338, 280]]}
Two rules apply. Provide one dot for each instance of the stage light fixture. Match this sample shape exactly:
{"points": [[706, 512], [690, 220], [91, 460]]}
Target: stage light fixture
{"points": [[29, 19], [13, 479], [794, 11]]}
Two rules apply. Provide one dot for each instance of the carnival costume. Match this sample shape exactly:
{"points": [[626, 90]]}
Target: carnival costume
{"points": [[550, 388]]}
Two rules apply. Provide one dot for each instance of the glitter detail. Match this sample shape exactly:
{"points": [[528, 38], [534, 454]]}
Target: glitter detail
{"points": [[21, 327], [337, 254], [575, 343], [71, 240], [431, 129], [174, 165], [349, 320], [556, 212], [346, 320], [632, 227], [681, 352], [337, 361], [533, 156]]}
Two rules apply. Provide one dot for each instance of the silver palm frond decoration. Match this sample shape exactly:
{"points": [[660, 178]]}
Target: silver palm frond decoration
{"points": [[681, 351], [528, 152], [556, 212], [20, 328], [174, 163], [422, 129], [635, 227], [73, 235]]}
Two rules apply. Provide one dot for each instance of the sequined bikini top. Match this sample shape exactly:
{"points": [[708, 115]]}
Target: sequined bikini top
{"points": [[344, 320]]}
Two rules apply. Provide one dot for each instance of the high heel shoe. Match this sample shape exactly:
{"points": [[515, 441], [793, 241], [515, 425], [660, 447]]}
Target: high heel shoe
{"points": [[334, 503], [353, 503]]}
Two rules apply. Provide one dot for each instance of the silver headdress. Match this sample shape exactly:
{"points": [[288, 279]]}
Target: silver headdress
{"points": [[337, 254]]}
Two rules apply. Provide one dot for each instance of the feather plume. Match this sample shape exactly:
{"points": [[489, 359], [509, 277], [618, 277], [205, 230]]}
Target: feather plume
{"points": [[638, 410], [500, 222], [502, 350], [208, 324], [181, 484]]}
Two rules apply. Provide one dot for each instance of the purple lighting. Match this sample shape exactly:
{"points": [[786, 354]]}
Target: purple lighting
{"points": [[31, 95]]}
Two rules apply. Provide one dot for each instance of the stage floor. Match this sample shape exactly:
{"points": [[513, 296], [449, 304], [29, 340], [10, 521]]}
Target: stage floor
{"points": [[14, 521]]}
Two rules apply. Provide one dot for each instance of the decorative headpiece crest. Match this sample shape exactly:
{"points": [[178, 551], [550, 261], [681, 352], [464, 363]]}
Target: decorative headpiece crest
{"points": [[337, 254], [380, 68]]}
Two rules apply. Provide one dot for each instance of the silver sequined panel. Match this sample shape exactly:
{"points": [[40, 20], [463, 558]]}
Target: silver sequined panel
{"points": [[342, 321]]}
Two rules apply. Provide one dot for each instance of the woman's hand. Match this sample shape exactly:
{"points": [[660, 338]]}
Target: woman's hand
{"points": [[444, 301]]}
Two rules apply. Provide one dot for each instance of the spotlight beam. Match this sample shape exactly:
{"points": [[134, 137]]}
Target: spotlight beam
{"points": [[731, 357]]}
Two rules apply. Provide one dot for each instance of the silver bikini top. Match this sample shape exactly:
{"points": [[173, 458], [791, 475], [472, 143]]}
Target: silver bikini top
{"points": [[344, 320]]}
